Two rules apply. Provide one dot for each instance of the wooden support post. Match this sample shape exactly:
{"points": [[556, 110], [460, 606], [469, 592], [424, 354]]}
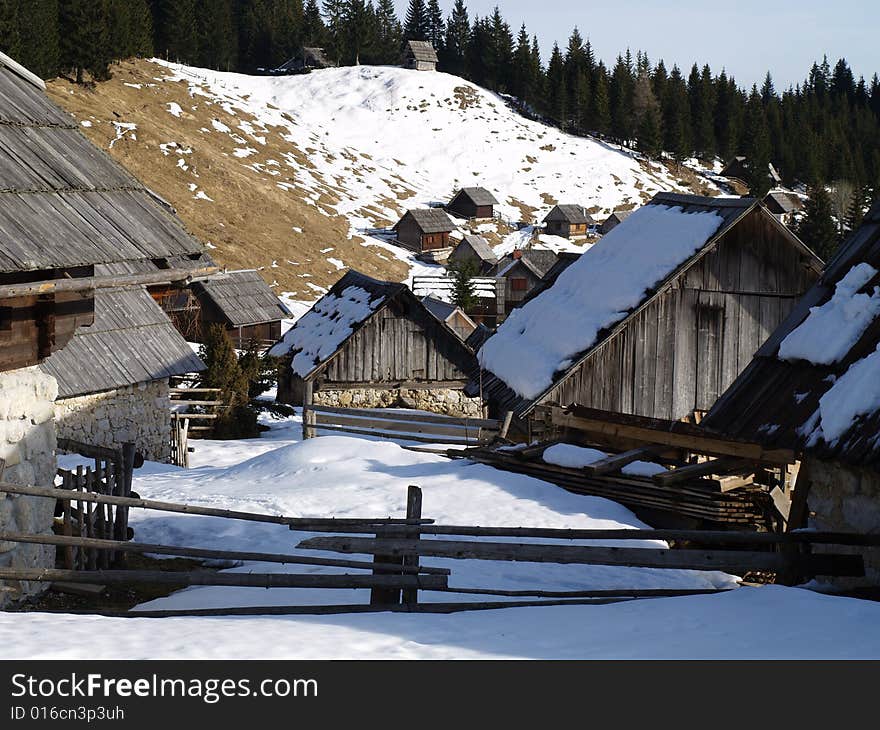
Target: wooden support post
{"points": [[67, 530], [413, 512], [80, 487], [308, 415], [92, 563], [505, 425]]}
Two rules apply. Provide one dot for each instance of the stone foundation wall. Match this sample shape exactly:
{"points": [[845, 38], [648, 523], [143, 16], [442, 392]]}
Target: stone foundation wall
{"points": [[846, 499], [27, 443], [140, 414], [444, 401]]}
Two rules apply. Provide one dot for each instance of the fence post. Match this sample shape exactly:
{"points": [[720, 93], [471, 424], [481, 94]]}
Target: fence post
{"points": [[308, 415], [413, 512], [67, 528]]}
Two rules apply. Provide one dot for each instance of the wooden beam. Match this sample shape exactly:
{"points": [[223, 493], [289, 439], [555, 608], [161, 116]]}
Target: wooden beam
{"points": [[386, 414], [88, 283], [731, 561], [616, 462], [212, 578], [192, 552], [702, 469], [704, 444]]}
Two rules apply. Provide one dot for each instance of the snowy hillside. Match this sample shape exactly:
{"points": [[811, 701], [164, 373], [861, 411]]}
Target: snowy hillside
{"points": [[253, 164]]}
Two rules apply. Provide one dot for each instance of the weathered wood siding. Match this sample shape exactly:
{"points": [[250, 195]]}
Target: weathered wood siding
{"points": [[513, 297], [682, 350], [397, 345]]}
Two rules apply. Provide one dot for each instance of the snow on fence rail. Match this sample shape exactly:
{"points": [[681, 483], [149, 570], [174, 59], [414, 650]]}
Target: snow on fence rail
{"points": [[441, 287], [384, 423]]}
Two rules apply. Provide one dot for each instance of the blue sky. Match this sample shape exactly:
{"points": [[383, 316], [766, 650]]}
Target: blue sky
{"points": [[747, 37]]}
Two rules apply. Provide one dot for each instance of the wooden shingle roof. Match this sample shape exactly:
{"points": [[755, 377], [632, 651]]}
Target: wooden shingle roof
{"points": [[422, 51], [131, 341], [242, 297], [430, 220], [63, 201], [780, 203], [781, 402], [478, 196], [478, 245], [573, 214]]}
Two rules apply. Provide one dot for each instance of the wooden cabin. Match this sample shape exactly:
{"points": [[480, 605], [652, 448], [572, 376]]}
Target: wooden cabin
{"points": [[420, 56], [613, 220], [370, 343], [66, 208], [814, 386], [452, 316], [424, 229], [309, 59], [244, 304], [113, 377], [473, 250], [568, 221], [738, 169], [782, 205], [521, 272], [473, 203], [656, 319]]}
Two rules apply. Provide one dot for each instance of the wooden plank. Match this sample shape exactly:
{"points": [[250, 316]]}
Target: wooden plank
{"points": [[293, 522], [382, 424], [212, 578], [401, 436], [377, 413], [615, 462], [707, 444], [413, 512], [731, 561], [721, 465], [191, 552]]}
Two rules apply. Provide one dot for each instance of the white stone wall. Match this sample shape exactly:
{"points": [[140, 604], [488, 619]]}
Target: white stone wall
{"points": [[444, 401], [846, 499], [27, 443], [140, 414]]}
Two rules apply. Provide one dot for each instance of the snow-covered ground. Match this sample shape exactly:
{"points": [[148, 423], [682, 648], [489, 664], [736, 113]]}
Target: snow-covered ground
{"points": [[348, 477]]}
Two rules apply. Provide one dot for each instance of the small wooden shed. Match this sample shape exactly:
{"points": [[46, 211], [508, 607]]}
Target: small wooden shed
{"points": [[738, 169], [307, 60], [373, 343], [568, 221], [782, 205], [814, 386], [476, 203], [475, 250], [420, 56], [424, 229], [522, 271], [244, 304], [611, 222], [656, 319]]}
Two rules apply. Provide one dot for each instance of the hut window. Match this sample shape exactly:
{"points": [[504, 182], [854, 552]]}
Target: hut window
{"points": [[518, 284]]}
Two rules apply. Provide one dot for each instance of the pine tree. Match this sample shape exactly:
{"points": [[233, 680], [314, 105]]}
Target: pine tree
{"points": [[39, 36], [557, 92], [676, 117], [646, 110], [175, 29], [313, 30], [217, 40], [756, 147], [817, 228], [464, 291], [335, 22], [621, 98], [236, 419], [415, 27], [84, 39], [10, 39], [600, 112], [389, 33], [453, 53], [358, 41], [434, 23]]}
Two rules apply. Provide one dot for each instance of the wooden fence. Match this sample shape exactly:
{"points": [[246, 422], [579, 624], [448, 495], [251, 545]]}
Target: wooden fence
{"points": [[186, 424], [395, 574], [404, 425], [111, 474]]}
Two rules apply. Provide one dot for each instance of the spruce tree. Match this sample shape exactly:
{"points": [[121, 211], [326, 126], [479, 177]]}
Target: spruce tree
{"points": [[175, 29], [389, 33], [621, 97], [434, 23], [600, 112], [817, 228], [415, 27], [40, 37], [453, 54], [217, 39], [358, 41], [236, 419], [557, 92], [10, 40], [84, 39], [676, 117], [313, 29], [756, 147], [335, 22], [464, 291]]}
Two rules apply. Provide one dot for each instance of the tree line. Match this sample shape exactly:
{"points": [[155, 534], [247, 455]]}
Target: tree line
{"points": [[824, 131]]}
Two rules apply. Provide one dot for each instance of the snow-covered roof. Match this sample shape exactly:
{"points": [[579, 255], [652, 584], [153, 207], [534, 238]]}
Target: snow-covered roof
{"points": [[321, 331], [553, 332], [815, 384], [780, 202]]}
